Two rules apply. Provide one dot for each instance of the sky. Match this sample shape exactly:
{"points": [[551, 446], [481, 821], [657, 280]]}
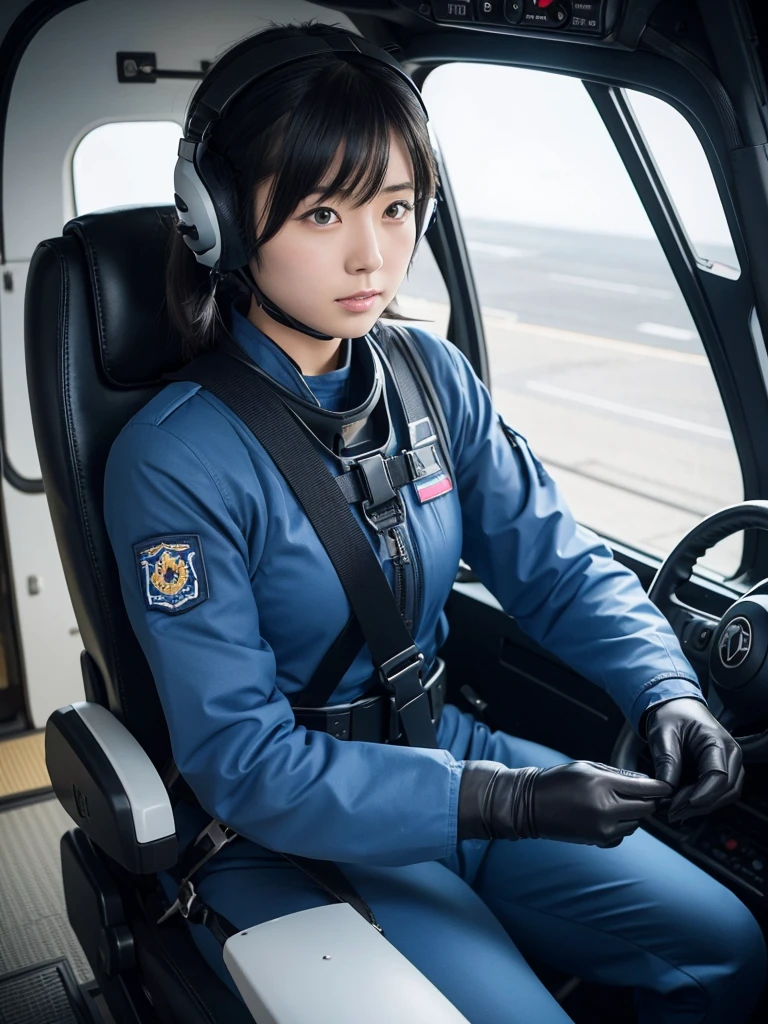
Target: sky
{"points": [[520, 145], [547, 158]]}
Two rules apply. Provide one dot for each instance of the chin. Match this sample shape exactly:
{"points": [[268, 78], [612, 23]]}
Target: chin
{"points": [[354, 325]]}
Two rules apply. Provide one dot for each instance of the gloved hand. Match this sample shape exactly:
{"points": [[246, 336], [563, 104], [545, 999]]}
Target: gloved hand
{"points": [[682, 729], [579, 802]]}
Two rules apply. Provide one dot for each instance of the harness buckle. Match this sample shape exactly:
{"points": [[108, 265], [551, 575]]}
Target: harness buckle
{"points": [[182, 903], [214, 836], [218, 835], [423, 462], [383, 507], [186, 898], [398, 670], [401, 676], [421, 432], [376, 480]]}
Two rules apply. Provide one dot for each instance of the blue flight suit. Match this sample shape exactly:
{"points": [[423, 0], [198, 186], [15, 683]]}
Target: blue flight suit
{"points": [[253, 604]]}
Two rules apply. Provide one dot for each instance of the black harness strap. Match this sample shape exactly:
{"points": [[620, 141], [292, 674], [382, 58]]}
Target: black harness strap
{"points": [[392, 648], [419, 401], [416, 388], [333, 667]]}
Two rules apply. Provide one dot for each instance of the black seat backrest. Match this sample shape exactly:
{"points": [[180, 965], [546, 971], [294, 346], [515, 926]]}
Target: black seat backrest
{"points": [[98, 340]]}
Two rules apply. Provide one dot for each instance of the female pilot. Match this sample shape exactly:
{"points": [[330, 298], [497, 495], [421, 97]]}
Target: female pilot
{"points": [[484, 844]]}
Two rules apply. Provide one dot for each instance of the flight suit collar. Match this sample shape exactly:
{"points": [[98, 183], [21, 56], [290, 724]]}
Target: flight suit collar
{"points": [[278, 364]]}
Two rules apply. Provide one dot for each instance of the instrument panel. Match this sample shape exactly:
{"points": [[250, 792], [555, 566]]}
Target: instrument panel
{"points": [[591, 18]]}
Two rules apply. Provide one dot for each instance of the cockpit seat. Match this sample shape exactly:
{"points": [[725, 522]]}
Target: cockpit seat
{"points": [[98, 340]]}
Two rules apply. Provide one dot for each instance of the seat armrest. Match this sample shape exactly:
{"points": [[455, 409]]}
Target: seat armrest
{"points": [[346, 972], [109, 787]]}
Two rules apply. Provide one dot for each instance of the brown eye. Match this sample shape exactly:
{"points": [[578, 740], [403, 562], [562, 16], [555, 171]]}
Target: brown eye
{"points": [[401, 203]]}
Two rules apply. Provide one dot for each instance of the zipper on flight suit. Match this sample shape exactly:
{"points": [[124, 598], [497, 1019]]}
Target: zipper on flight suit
{"points": [[405, 560], [417, 580], [400, 558]]}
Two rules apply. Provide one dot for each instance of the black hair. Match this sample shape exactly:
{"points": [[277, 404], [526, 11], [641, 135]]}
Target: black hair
{"points": [[290, 124]]}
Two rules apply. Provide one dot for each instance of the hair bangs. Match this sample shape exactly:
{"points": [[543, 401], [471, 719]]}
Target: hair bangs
{"points": [[358, 129]]}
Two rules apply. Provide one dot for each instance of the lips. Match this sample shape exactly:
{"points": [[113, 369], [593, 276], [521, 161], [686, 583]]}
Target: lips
{"points": [[360, 305], [359, 295]]}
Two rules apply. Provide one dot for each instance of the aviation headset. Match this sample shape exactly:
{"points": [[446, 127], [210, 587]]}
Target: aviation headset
{"points": [[204, 182]]}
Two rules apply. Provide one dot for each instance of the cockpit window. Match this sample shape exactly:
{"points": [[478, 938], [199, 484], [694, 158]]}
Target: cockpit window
{"points": [[593, 353], [124, 163], [683, 165]]}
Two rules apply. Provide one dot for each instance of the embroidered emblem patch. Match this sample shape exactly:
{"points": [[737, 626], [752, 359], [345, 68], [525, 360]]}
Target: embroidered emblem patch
{"points": [[172, 572]]}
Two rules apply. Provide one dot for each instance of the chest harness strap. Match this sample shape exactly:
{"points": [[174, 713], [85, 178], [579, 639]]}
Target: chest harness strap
{"points": [[374, 480], [398, 659], [421, 409]]}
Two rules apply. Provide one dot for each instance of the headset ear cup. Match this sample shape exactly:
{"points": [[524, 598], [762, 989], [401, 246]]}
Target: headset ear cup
{"points": [[430, 213], [197, 218], [219, 181]]}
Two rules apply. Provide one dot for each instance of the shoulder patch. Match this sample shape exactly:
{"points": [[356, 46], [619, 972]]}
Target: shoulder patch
{"points": [[172, 572]]}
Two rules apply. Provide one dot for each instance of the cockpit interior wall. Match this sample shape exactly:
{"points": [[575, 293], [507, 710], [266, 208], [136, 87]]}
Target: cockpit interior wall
{"points": [[66, 85]]}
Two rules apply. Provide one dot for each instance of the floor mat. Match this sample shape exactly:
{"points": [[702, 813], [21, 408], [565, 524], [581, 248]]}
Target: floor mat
{"points": [[43, 994], [22, 765], [33, 919]]}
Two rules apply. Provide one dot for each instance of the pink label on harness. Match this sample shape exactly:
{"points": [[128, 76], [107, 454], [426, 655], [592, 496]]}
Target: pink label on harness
{"points": [[433, 487]]}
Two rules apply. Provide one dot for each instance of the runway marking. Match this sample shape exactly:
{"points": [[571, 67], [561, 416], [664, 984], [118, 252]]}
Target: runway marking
{"points": [[507, 252], [506, 321], [634, 348], [612, 286], [502, 314], [665, 331], [628, 410]]}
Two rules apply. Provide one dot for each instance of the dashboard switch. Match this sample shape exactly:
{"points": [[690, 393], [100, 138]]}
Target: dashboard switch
{"points": [[513, 11], [452, 10], [701, 638], [490, 10], [558, 14]]}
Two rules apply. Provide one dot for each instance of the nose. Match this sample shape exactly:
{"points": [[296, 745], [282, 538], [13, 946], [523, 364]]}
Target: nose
{"points": [[364, 252]]}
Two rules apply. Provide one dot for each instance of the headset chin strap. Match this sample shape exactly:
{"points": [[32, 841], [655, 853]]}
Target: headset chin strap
{"points": [[244, 275]]}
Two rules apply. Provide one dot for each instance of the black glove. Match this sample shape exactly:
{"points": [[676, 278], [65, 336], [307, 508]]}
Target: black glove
{"points": [[682, 729], [579, 802]]}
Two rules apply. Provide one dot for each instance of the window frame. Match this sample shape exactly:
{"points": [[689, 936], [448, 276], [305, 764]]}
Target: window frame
{"points": [[721, 307]]}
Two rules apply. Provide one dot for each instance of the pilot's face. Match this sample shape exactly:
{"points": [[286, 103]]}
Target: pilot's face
{"points": [[325, 253]]}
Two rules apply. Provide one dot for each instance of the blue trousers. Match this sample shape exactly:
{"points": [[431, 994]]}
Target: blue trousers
{"points": [[638, 915]]}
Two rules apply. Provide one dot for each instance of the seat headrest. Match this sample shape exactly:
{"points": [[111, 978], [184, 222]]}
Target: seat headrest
{"points": [[98, 340], [126, 250]]}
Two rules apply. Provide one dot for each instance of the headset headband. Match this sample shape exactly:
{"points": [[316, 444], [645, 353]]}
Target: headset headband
{"points": [[203, 181], [213, 99]]}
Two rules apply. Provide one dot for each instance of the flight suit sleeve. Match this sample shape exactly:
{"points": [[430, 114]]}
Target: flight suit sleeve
{"points": [[233, 734], [557, 578]]}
